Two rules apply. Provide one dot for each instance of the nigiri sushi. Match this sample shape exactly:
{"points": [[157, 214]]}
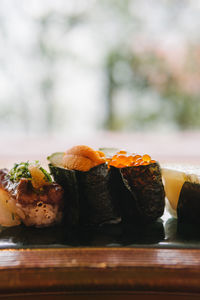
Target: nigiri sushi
{"points": [[28, 195], [182, 187]]}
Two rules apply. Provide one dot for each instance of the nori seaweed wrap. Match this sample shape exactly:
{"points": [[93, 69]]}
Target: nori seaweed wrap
{"points": [[86, 185], [96, 203], [188, 208], [67, 179], [139, 191]]}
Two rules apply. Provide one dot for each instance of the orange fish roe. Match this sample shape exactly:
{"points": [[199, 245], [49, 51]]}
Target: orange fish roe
{"points": [[136, 157], [122, 152], [146, 158], [122, 160]]}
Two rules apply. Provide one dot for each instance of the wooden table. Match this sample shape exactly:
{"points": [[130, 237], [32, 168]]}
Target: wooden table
{"points": [[112, 273]]}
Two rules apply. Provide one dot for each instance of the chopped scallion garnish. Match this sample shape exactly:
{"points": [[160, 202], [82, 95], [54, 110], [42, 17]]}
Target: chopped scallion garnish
{"points": [[21, 170]]}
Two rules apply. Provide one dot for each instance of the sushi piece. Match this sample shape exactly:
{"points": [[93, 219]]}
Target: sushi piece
{"points": [[68, 180], [84, 174], [182, 187], [136, 185], [28, 195]]}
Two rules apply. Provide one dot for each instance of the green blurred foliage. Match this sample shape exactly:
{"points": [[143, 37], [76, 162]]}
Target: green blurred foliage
{"points": [[178, 88], [147, 86]]}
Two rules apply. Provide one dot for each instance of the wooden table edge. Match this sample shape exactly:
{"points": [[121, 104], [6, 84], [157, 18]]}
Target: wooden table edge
{"points": [[100, 269]]}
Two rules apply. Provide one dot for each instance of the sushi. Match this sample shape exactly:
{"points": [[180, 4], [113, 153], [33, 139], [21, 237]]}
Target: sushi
{"points": [[182, 186], [28, 195], [136, 184], [103, 188], [90, 188], [84, 175]]}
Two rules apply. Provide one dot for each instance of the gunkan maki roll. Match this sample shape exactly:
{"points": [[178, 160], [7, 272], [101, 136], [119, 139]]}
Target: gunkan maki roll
{"points": [[182, 186], [85, 177], [136, 185]]}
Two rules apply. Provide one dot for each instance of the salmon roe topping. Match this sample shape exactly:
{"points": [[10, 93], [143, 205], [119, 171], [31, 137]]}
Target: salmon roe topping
{"points": [[122, 152], [146, 158], [122, 159]]}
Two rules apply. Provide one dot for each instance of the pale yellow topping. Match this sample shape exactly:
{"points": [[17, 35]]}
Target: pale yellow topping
{"points": [[38, 177]]}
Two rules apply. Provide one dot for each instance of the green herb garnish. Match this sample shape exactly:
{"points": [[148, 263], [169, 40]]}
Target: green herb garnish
{"points": [[46, 174], [21, 171]]}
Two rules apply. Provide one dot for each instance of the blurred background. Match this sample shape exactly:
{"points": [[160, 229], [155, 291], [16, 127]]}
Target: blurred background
{"points": [[79, 68]]}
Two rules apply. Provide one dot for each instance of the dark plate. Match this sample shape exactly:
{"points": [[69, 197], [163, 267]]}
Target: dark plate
{"points": [[165, 233]]}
